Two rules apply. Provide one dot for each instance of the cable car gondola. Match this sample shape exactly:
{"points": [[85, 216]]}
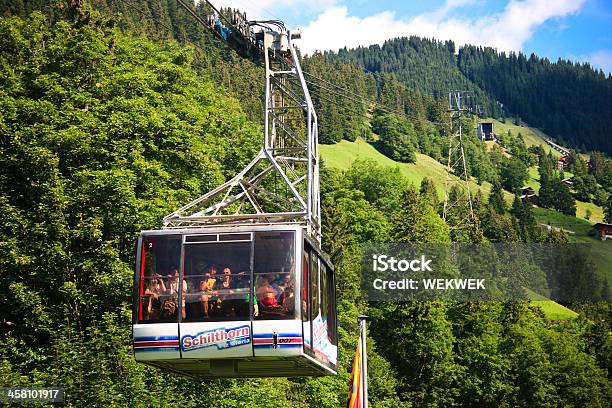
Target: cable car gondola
{"points": [[235, 284], [274, 316]]}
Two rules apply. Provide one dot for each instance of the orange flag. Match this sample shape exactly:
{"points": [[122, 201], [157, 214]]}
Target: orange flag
{"points": [[355, 390]]}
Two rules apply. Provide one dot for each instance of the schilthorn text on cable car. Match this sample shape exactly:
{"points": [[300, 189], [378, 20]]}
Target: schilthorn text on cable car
{"points": [[222, 338]]}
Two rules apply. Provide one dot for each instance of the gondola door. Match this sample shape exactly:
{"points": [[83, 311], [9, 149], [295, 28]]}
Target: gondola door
{"points": [[155, 327], [215, 321], [277, 329]]}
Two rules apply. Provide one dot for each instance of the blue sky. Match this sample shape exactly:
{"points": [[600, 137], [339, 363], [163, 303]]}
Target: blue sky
{"points": [[575, 29]]}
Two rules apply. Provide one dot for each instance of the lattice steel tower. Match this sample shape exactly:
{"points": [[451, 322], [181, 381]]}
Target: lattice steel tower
{"points": [[456, 169]]}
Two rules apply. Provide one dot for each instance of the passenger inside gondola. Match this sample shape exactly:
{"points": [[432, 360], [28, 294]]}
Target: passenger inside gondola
{"points": [[153, 297], [213, 274], [284, 289], [173, 289], [275, 299], [266, 295], [222, 29], [207, 290], [227, 294]]}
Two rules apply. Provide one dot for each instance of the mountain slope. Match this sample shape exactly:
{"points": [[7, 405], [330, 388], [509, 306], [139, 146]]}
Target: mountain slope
{"points": [[569, 101], [426, 65], [341, 155]]}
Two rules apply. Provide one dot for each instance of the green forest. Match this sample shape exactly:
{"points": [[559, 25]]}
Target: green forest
{"points": [[567, 100], [113, 116]]}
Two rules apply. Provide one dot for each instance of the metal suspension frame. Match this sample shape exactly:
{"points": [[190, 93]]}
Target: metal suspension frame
{"points": [[281, 184], [456, 169]]}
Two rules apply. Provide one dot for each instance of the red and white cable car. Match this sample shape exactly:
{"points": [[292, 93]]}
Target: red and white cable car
{"points": [[239, 302], [235, 284]]}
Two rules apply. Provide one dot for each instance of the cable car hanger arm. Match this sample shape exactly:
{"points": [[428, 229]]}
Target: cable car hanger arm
{"points": [[239, 36]]}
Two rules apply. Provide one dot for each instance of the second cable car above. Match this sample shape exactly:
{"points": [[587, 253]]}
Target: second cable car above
{"points": [[235, 283]]}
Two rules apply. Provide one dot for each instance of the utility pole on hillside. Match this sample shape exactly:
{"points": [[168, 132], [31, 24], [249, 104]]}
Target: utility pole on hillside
{"points": [[457, 177]]}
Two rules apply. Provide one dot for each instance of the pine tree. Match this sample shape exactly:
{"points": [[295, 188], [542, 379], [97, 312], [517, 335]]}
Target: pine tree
{"points": [[428, 191], [417, 221], [496, 197], [608, 210], [528, 226], [564, 201]]}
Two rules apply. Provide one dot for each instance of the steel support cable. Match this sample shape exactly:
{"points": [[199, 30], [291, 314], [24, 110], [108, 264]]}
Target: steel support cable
{"points": [[357, 98], [364, 99], [361, 97], [339, 103], [345, 90], [382, 107], [170, 29], [322, 87]]}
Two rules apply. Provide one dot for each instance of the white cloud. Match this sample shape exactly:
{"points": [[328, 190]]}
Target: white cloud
{"points": [[449, 6], [507, 30]]}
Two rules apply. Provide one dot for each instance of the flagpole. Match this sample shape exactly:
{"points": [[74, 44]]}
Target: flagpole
{"points": [[364, 359]]}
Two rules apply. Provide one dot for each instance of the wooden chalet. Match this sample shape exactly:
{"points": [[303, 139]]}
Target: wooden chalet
{"points": [[604, 231], [528, 195], [562, 163]]}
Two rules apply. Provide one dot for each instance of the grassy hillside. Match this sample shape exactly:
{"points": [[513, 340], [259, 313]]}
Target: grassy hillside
{"points": [[341, 155], [582, 228], [597, 214], [552, 310], [533, 137], [600, 251]]}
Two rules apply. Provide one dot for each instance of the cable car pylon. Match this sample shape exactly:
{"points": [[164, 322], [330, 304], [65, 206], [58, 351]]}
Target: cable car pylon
{"points": [[456, 170]]}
